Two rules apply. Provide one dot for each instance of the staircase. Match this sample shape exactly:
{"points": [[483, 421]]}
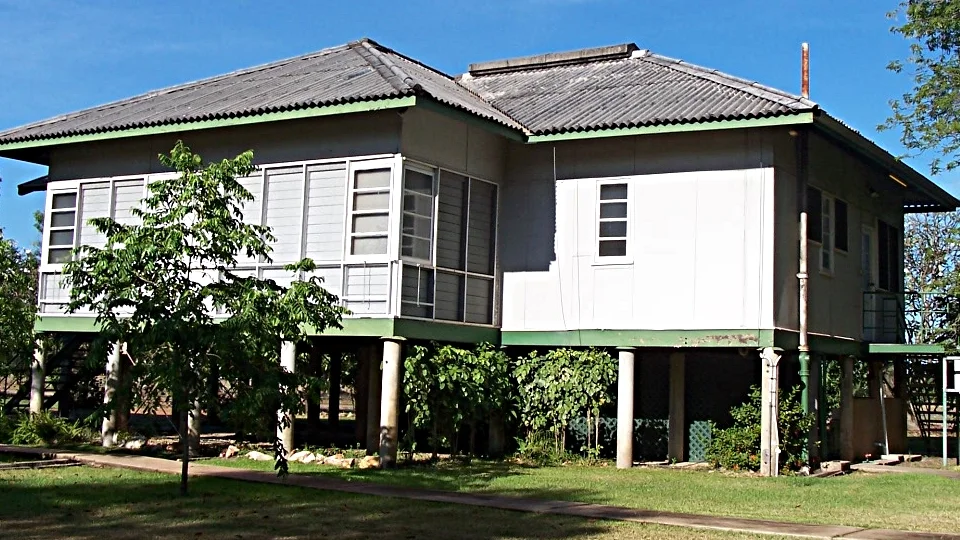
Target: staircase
{"points": [[925, 394], [64, 369]]}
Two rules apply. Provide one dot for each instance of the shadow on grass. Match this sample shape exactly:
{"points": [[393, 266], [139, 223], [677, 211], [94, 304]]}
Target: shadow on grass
{"points": [[86, 503]]}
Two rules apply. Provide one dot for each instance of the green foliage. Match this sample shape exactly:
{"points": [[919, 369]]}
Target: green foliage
{"points": [[738, 447], [540, 448], [560, 385], [448, 388], [929, 114], [18, 299], [43, 429], [168, 288]]}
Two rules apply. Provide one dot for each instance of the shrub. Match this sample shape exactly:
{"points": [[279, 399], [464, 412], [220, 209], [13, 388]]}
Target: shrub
{"points": [[738, 447], [44, 428], [6, 428]]}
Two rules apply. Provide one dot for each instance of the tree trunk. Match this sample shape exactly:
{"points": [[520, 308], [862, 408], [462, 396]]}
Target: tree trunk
{"points": [[589, 430], [436, 438], [184, 448], [473, 438], [333, 407]]}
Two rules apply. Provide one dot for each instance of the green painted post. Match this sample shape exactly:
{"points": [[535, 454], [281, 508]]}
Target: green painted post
{"points": [[805, 395]]}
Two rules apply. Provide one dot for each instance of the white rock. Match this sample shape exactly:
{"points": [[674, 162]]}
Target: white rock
{"points": [[298, 456], [134, 444], [309, 458], [259, 456]]}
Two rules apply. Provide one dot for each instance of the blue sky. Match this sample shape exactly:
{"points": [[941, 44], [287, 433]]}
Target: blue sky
{"points": [[58, 56]]}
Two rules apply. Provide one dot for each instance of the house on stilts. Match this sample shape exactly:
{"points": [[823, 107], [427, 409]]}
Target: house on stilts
{"points": [[712, 232]]}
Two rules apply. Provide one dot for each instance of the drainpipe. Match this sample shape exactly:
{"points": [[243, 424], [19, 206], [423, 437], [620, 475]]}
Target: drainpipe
{"points": [[802, 150]]}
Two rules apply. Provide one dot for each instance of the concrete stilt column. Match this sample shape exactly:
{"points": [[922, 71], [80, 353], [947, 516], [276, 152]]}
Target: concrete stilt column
{"points": [[374, 382], [769, 413], [194, 428], [124, 394], [846, 409], [108, 431], [625, 408], [288, 359], [38, 378], [677, 423], [390, 401]]}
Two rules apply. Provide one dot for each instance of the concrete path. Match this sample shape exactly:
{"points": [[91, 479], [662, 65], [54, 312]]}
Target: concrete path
{"points": [[905, 469], [586, 510]]}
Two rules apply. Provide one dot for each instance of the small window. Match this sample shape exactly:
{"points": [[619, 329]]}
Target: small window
{"points": [[612, 221], [370, 212], [840, 233], [416, 240], [826, 228], [63, 227]]}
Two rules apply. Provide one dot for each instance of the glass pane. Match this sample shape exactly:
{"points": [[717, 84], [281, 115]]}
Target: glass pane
{"points": [[61, 238], [62, 219], [613, 191], [418, 182], [376, 245], [379, 178], [613, 228], [370, 224], [371, 201], [418, 204], [415, 247], [613, 210], [417, 226], [613, 248], [59, 256], [64, 200]]}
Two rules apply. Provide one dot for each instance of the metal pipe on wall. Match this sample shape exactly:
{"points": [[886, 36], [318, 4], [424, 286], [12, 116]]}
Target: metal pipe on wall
{"points": [[802, 148]]}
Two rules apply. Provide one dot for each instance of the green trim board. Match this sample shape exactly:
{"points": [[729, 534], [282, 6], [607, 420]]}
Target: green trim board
{"points": [[640, 338], [905, 348], [326, 110], [363, 327], [786, 120]]}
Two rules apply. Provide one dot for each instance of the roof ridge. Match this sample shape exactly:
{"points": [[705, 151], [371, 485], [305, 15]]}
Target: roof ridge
{"points": [[402, 81], [760, 90], [175, 88]]}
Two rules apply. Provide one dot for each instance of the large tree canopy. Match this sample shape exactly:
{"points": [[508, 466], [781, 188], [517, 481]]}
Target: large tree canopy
{"points": [[929, 114], [18, 305], [167, 287]]}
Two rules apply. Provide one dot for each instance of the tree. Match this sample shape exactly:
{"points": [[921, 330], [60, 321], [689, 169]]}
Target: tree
{"points": [[167, 288], [929, 114], [932, 277], [18, 306]]}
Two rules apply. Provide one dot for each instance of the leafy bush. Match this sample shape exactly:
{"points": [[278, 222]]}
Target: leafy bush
{"points": [[539, 448], [560, 386], [448, 388], [6, 428], [44, 428], [738, 447]]}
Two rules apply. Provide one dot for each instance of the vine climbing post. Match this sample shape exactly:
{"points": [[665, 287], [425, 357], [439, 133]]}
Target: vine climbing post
{"points": [[625, 408]]}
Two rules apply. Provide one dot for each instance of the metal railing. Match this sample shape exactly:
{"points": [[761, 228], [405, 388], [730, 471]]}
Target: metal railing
{"points": [[911, 317]]}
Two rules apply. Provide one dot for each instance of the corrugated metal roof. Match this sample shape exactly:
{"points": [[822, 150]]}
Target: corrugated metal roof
{"points": [[358, 71], [637, 89]]}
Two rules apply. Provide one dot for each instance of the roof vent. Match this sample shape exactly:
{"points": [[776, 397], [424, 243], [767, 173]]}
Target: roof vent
{"points": [[596, 54]]}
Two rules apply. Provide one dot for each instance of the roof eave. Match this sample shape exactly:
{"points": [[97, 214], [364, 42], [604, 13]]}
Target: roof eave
{"points": [[8, 149], [805, 117], [938, 200]]}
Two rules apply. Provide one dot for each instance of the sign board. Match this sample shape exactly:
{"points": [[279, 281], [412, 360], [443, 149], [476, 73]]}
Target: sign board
{"points": [[951, 372]]}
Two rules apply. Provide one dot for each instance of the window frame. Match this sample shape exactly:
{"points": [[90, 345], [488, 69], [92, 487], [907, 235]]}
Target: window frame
{"points": [[389, 191], [434, 175], [49, 229], [827, 233], [629, 239]]}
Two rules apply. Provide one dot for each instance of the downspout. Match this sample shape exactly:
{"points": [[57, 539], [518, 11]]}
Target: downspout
{"points": [[802, 151]]}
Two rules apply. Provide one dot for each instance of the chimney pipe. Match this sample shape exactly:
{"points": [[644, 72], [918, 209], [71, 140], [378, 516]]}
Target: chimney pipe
{"points": [[805, 72]]}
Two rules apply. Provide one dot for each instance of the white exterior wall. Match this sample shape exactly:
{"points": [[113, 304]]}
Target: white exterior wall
{"points": [[700, 239], [699, 256]]}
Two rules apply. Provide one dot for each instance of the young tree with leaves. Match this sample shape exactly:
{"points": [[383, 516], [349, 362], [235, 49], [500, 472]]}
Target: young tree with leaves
{"points": [[167, 288], [929, 114]]}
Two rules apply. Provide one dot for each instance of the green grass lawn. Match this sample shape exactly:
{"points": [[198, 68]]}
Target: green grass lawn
{"points": [[89, 503], [894, 501]]}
